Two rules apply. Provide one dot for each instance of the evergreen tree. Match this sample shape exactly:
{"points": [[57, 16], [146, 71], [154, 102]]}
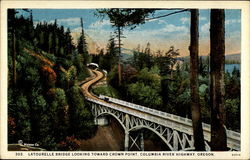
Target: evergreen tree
{"points": [[121, 18], [12, 28], [110, 58], [82, 45], [80, 120], [69, 45]]}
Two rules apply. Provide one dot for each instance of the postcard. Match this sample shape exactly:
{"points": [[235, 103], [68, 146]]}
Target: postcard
{"points": [[125, 80]]}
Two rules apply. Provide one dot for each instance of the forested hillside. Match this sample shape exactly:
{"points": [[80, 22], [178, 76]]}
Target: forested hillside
{"points": [[45, 104]]}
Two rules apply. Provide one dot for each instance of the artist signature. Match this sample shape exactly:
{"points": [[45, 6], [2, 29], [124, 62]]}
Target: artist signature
{"points": [[27, 144]]}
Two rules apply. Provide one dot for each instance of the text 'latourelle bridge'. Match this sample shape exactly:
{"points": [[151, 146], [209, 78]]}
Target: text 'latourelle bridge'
{"points": [[175, 131]]}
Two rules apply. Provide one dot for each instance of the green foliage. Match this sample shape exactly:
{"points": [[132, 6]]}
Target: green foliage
{"points": [[60, 97], [51, 57], [62, 80], [125, 17], [144, 94], [31, 76], [233, 114], [82, 71], [81, 119], [112, 77], [82, 46], [23, 118], [232, 85], [106, 90], [146, 90], [48, 142], [53, 39], [108, 60], [141, 60], [67, 78], [202, 90], [39, 106], [72, 75], [59, 112], [150, 77]]}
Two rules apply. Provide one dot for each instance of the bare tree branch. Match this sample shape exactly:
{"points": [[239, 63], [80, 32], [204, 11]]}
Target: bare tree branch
{"points": [[184, 10]]}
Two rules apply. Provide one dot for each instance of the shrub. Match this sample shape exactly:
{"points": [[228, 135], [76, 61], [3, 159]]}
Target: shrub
{"points": [[69, 144], [49, 74]]}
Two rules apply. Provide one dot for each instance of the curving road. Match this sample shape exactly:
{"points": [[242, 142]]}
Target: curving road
{"points": [[85, 87], [97, 77], [86, 90]]}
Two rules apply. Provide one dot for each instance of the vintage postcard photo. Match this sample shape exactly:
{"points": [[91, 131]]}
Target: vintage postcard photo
{"points": [[106, 80]]}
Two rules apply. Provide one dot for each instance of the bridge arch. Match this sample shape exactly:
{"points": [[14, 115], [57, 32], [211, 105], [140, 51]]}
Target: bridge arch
{"points": [[157, 133], [113, 115]]}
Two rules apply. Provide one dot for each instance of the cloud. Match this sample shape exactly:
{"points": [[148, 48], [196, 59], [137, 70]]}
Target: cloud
{"points": [[65, 22], [70, 21], [205, 27], [168, 30], [185, 20], [203, 18], [231, 21], [78, 29], [100, 24], [173, 28], [158, 21]]}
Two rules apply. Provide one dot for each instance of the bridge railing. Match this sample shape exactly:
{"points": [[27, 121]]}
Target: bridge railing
{"points": [[233, 137]]}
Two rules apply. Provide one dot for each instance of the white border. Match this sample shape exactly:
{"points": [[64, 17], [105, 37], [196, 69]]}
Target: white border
{"points": [[245, 66]]}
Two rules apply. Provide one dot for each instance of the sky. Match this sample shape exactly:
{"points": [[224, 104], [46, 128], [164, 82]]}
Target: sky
{"points": [[161, 33]]}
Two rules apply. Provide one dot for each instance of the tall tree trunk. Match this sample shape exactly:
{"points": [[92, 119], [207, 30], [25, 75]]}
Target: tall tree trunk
{"points": [[119, 58], [217, 86], [82, 26], [194, 64]]}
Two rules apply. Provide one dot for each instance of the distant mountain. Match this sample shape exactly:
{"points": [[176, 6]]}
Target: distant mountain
{"points": [[228, 57], [127, 51], [235, 57], [92, 45], [126, 57], [126, 54]]}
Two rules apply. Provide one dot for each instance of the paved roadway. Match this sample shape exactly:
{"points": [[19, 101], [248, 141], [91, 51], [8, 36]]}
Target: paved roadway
{"points": [[85, 87]]}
